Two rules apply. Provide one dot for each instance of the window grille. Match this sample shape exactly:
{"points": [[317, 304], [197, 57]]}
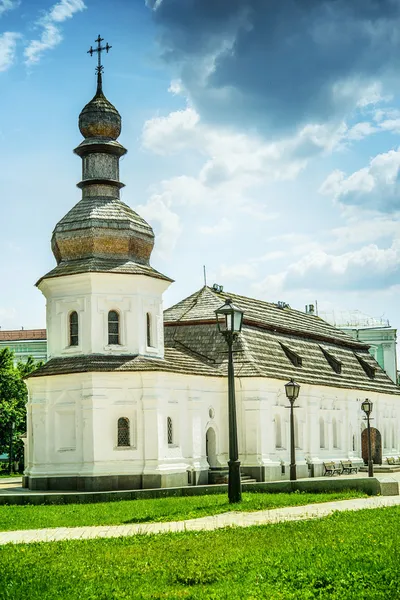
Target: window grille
{"points": [[73, 329], [123, 432], [148, 330], [113, 327], [170, 431]]}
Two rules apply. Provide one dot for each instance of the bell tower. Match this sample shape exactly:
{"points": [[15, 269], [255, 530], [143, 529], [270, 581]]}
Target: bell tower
{"points": [[103, 249]]}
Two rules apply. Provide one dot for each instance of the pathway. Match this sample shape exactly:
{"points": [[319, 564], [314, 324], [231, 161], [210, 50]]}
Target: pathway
{"points": [[231, 519]]}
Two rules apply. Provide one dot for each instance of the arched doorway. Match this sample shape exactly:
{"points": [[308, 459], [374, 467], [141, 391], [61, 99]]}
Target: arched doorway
{"points": [[376, 446], [211, 447]]}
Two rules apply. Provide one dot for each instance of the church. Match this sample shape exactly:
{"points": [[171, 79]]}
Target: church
{"points": [[132, 396]]}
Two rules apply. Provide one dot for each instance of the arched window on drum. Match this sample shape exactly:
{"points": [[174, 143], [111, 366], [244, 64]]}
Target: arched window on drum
{"points": [[73, 329], [113, 328]]}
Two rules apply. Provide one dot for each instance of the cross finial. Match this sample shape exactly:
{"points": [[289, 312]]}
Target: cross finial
{"points": [[99, 68]]}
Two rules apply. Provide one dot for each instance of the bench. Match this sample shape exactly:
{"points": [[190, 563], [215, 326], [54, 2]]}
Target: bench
{"points": [[391, 460], [331, 468], [347, 467]]}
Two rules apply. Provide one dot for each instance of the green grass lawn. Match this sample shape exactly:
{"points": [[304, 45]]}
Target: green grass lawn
{"points": [[347, 556], [159, 509]]}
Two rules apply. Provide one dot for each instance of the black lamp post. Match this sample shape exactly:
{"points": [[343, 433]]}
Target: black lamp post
{"points": [[292, 390], [229, 321], [367, 408]]}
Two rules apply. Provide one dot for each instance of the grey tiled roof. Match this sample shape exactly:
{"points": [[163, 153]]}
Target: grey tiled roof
{"points": [[201, 305], [97, 211], [175, 361], [103, 265], [193, 346]]}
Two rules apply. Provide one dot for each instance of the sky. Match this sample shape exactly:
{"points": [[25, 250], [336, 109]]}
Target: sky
{"points": [[263, 142]]}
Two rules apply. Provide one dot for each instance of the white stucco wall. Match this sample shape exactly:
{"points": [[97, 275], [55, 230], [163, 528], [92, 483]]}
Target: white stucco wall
{"points": [[72, 423], [92, 296]]}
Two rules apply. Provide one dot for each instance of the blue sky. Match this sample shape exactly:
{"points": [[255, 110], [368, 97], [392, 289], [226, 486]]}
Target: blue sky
{"points": [[263, 142]]}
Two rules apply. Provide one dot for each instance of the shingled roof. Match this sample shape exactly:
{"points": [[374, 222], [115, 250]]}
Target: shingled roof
{"points": [[270, 336], [103, 265]]}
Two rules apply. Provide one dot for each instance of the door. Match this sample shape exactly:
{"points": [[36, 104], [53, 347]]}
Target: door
{"points": [[376, 446]]}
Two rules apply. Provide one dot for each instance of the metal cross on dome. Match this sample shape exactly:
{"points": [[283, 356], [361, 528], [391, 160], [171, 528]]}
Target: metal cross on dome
{"points": [[99, 50]]}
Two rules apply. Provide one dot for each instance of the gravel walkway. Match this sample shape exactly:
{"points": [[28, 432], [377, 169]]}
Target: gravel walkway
{"points": [[230, 519]]}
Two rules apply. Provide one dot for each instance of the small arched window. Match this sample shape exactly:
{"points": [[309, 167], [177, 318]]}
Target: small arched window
{"points": [[170, 431], [113, 327], [73, 329], [148, 331], [124, 438]]}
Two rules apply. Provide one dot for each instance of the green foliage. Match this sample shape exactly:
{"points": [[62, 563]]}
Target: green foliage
{"points": [[152, 510], [347, 556], [13, 397]]}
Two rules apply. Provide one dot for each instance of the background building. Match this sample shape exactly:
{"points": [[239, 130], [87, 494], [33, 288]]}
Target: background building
{"points": [[376, 332], [24, 343]]}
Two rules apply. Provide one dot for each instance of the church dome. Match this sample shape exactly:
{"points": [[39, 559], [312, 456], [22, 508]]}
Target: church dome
{"points": [[100, 119]]}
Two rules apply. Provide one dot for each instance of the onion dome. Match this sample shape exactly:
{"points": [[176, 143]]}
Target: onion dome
{"points": [[100, 118]]}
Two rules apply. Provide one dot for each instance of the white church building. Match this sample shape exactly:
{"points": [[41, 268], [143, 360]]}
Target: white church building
{"points": [[132, 397]]}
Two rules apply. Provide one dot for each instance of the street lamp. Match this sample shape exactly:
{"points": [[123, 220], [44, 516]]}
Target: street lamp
{"points": [[292, 390], [367, 408], [229, 322]]}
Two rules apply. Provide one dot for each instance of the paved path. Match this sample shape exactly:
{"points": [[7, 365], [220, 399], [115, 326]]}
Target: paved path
{"points": [[231, 519]]}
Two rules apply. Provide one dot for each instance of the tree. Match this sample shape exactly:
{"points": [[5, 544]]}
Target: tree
{"points": [[13, 398]]}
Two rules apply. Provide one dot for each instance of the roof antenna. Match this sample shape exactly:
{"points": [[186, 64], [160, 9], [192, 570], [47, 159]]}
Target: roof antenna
{"points": [[205, 275]]}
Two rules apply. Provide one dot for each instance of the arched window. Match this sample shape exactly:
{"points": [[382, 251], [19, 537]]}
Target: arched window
{"points": [[148, 330], [278, 432], [170, 432], [321, 433], [73, 329], [124, 438], [113, 327]]}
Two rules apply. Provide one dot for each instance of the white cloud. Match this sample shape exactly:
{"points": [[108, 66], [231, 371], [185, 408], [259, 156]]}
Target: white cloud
{"points": [[8, 46], [168, 229], [375, 187], [7, 314], [222, 227], [367, 268], [359, 231], [6, 5], [238, 271], [51, 35], [231, 154], [361, 130]]}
